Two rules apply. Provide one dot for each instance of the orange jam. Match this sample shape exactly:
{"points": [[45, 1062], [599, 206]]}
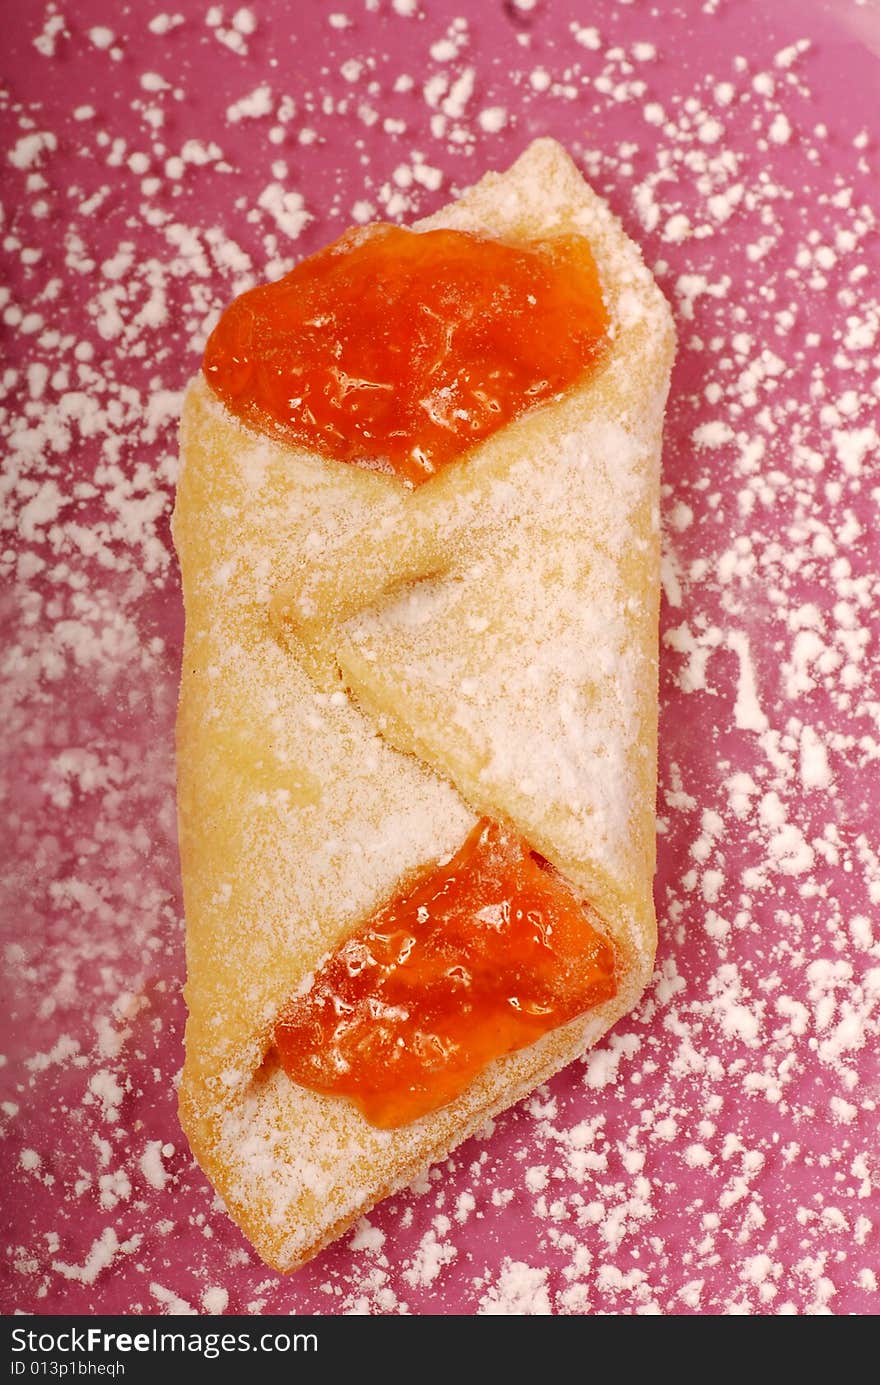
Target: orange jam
{"points": [[480, 957], [398, 350]]}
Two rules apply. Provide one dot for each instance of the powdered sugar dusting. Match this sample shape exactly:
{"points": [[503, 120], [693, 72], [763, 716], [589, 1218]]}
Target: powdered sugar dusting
{"points": [[717, 1153]]}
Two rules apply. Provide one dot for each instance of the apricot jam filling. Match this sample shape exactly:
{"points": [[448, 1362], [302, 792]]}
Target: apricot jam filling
{"points": [[399, 350], [480, 957]]}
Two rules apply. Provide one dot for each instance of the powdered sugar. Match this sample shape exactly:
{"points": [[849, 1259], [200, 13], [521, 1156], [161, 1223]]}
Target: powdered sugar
{"points": [[717, 1154]]}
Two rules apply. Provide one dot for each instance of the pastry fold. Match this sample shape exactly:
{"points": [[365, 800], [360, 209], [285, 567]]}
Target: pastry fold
{"points": [[367, 670]]}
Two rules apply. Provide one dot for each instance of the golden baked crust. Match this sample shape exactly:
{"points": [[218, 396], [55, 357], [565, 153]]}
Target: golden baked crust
{"points": [[366, 669]]}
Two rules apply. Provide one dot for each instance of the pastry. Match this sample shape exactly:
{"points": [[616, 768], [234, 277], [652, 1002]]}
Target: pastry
{"points": [[397, 682]]}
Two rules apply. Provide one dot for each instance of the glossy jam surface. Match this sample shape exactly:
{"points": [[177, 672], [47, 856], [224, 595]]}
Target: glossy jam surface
{"points": [[480, 957], [399, 350]]}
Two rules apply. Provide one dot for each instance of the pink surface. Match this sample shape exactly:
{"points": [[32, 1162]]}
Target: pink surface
{"points": [[718, 1154]]}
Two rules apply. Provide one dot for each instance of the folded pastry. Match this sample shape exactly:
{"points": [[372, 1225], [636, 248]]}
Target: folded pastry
{"points": [[417, 726]]}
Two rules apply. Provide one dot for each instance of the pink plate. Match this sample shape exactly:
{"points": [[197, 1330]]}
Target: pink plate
{"points": [[719, 1153]]}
